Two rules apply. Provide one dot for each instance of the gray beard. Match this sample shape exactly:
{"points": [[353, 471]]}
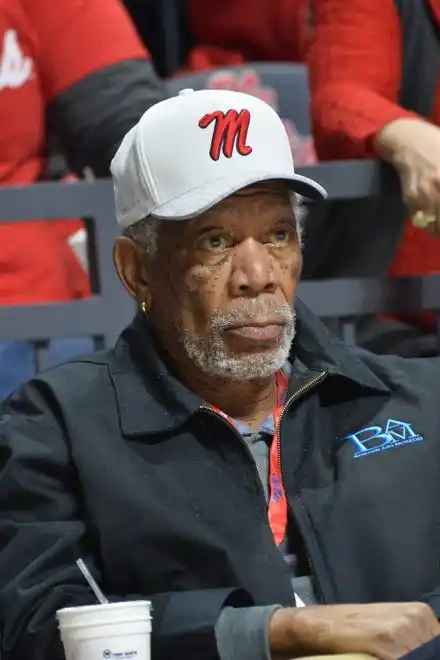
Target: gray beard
{"points": [[211, 355]]}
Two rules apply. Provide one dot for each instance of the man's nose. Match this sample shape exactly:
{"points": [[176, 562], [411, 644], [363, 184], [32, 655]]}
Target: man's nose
{"points": [[253, 270]]}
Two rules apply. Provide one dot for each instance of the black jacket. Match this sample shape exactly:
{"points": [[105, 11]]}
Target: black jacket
{"points": [[112, 459]]}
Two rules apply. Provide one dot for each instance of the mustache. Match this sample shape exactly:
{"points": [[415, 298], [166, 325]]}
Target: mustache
{"points": [[252, 310]]}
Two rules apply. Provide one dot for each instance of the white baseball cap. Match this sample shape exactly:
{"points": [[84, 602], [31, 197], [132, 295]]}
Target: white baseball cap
{"points": [[188, 153]]}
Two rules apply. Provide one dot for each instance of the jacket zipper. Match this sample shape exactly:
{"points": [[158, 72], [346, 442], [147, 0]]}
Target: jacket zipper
{"points": [[294, 397], [302, 390], [287, 405], [242, 442]]}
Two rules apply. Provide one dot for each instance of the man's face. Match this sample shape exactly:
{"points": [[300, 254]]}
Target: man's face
{"points": [[222, 285]]}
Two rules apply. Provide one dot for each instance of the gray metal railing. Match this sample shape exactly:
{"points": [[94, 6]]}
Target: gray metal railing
{"points": [[109, 309], [354, 179], [102, 315]]}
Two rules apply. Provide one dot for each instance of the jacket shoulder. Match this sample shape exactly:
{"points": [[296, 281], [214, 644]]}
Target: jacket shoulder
{"points": [[398, 372], [76, 385]]}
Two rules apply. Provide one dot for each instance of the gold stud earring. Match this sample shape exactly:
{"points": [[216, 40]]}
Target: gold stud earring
{"points": [[146, 303]]}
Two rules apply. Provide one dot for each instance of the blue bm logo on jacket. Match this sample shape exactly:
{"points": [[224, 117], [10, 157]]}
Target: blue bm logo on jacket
{"points": [[374, 439]]}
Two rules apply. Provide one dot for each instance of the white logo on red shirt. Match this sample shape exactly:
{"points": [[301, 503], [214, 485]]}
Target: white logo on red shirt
{"points": [[15, 68]]}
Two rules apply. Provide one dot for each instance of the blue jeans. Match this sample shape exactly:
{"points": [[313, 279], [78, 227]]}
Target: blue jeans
{"points": [[18, 359]]}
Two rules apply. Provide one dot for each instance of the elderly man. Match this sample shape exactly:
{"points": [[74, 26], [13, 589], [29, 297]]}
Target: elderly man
{"points": [[229, 458]]}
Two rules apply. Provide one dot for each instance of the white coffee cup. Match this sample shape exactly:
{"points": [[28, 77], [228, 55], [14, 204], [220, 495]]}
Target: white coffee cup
{"points": [[115, 631]]}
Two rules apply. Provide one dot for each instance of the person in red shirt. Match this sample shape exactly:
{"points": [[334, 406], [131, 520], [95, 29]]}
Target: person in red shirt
{"points": [[245, 31], [79, 67], [355, 76]]}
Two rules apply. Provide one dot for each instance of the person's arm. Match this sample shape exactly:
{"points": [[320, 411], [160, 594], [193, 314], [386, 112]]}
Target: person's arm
{"points": [[97, 78], [42, 533], [355, 68]]}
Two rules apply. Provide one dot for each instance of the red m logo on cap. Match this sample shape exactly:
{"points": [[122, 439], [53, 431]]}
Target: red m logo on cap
{"points": [[230, 130]]}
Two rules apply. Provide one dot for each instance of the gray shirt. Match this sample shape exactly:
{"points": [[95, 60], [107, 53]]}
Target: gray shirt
{"points": [[302, 581]]}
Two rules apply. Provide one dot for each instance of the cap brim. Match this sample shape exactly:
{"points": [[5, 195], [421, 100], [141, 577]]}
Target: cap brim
{"points": [[201, 199]]}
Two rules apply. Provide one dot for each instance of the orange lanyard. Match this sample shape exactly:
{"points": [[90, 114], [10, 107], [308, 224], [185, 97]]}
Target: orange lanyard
{"points": [[277, 508]]}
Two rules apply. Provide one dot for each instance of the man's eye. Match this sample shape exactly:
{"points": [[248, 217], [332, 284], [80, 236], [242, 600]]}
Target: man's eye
{"points": [[280, 236], [214, 243]]}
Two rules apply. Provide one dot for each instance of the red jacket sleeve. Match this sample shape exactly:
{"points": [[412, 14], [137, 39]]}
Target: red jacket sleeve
{"points": [[79, 37], [355, 67]]}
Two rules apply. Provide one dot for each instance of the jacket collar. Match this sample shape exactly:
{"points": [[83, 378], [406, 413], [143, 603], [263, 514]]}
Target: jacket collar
{"points": [[151, 399], [319, 350]]}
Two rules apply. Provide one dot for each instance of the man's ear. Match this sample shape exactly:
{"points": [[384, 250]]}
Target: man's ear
{"points": [[131, 266]]}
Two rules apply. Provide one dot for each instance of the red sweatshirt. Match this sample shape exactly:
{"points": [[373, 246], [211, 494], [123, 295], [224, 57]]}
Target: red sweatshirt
{"points": [[237, 31], [45, 47], [355, 67]]}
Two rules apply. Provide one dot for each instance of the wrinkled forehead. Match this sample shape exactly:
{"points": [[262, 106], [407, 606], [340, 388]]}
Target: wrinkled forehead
{"points": [[275, 191], [266, 203], [275, 188], [269, 198]]}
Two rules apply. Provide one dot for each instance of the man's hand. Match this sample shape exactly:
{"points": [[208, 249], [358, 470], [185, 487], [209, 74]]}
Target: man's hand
{"points": [[385, 631], [412, 146]]}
